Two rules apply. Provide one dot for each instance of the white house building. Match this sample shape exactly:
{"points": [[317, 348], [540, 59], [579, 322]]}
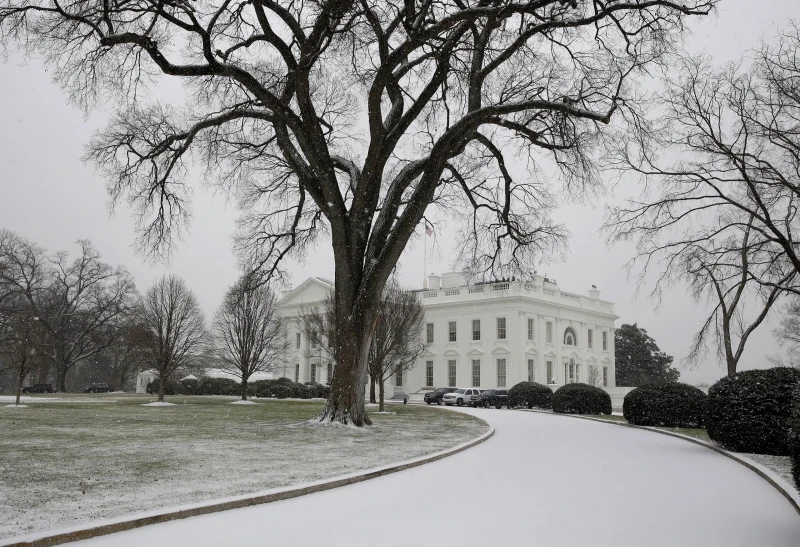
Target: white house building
{"points": [[486, 335]]}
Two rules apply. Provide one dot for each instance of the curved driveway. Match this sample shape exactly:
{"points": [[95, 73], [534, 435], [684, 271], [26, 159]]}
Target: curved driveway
{"points": [[541, 480]]}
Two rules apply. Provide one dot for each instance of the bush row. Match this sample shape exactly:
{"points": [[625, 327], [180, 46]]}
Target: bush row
{"points": [[530, 395], [280, 388], [581, 399]]}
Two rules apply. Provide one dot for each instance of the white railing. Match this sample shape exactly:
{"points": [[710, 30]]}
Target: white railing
{"points": [[500, 287], [476, 289], [452, 292], [430, 294], [551, 292]]}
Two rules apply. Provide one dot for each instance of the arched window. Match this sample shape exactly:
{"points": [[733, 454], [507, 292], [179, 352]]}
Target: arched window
{"points": [[570, 339]]}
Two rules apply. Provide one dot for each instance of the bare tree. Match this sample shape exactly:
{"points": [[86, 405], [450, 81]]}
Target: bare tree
{"points": [[18, 348], [175, 325], [278, 89], [78, 304], [724, 217], [129, 353], [247, 332], [594, 377], [397, 336], [788, 334]]}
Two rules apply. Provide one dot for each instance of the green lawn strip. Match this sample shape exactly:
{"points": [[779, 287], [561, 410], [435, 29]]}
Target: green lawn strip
{"points": [[87, 458]]}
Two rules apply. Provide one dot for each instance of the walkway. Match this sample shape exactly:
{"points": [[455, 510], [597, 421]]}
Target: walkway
{"points": [[541, 480]]}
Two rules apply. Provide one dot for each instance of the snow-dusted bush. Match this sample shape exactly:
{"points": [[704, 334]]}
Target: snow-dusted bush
{"points": [[668, 404], [530, 395], [794, 436], [281, 391], [749, 411], [581, 399], [170, 388]]}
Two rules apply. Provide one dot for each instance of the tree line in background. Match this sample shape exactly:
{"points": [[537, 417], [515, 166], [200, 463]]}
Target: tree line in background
{"points": [[73, 321]]}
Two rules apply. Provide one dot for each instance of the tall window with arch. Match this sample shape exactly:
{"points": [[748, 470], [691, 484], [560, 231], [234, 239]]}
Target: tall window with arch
{"points": [[570, 338]]}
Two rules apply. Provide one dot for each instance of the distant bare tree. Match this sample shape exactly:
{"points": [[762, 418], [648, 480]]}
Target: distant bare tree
{"points": [[724, 218], [247, 332], [175, 326], [79, 304], [594, 377], [788, 334], [129, 353], [279, 92], [18, 348]]}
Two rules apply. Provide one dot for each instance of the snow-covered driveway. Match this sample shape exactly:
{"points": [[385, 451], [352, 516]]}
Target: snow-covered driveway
{"points": [[541, 480]]}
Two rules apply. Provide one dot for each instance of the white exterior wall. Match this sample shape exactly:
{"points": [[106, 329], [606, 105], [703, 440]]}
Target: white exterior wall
{"points": [[517, 302], [455, 301]]}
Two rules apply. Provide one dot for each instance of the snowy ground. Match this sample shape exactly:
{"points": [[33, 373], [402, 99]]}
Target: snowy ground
{"points": [[541, 480], [77, 462]]}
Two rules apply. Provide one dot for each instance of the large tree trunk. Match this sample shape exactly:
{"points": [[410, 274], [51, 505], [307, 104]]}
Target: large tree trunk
{"points": [[61, 378], [382, 389], [244, 388], [372, 389], [161, 382], [19, 388]]}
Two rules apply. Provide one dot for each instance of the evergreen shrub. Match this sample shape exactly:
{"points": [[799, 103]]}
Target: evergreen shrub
{"points": [[749, 411], [667, 404], [530, 395], [794, 436], [581, 399]]}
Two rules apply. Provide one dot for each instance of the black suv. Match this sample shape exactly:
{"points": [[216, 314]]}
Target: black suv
{"points": [[39, 388], [98, 388], [497, 398], [436, 395]]}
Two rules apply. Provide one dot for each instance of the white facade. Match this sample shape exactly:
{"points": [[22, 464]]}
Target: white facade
{"points": [[483, 335]]}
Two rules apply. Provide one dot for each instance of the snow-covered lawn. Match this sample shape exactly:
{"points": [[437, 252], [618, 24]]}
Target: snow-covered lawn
{"points": [[77, 461]]}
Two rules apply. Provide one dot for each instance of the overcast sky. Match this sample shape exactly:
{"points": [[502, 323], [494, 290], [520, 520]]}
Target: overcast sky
{"points": [[51, 197]]}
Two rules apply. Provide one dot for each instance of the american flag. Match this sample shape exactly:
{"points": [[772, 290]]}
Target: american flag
{"points": [[428, 228]]}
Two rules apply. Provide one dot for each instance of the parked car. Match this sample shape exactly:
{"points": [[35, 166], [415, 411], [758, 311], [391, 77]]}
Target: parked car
{"points": [[460, 396], [39, 388], [98, 388], [488, 398], [436, 395]]}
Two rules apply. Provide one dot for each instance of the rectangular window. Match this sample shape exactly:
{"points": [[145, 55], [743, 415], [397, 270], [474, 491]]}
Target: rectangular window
{"points": [[429, 373], [297, 372], [530, 329], [330, 372], [605, 341], [297, 340], [590, 338], [549, 333], [313, 339], [530, 370], [501, 373], [550, 379], [451, 373], [451, 331], [476, 372], [476, 329], [571, 374], [398, 377], [312, 372], [501, 328], [605, 376], [577, 372], [429, 333]]}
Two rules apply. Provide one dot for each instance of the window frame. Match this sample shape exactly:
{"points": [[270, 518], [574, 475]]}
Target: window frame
{"points": [[590, 338], [429, 333], [531, 369], [476, 322], [548, 336], [531, 329], [502, 366], [504, 328], [297, 340], [452, 331], [429, 373], [605, 340], [549, 372], [476, 363]]}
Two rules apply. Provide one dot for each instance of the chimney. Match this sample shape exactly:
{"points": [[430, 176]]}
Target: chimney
{"points": [[594, 294], [434, 282]]}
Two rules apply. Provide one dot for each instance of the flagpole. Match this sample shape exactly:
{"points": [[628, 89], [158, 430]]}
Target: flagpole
{"points": [[425, 258]]}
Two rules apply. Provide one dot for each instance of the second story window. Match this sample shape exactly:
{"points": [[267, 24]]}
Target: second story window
{"points": [[476, 329], [297, 340], [570, 339], [549, 333], [501, 328], [590, 338], [313, 339], [605, 341], [451, 331], [530, 328], [429, 333]]}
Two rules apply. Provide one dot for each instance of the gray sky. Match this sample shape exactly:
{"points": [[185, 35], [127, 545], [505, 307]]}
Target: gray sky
{"points": [[52, 198]]}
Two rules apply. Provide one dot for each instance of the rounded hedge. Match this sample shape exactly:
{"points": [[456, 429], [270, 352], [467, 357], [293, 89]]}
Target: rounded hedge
{"points": [[794, 436], [530, 395], [667, 404], [581, 399], [749, 411]]}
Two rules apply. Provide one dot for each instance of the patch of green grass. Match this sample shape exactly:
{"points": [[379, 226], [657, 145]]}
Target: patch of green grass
{"points": [[88, 457]]}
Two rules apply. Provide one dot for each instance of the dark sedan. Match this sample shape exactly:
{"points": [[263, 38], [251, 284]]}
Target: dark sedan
{"points": [[39, 388], [436, 395], [488, 398], [98, 388]]}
